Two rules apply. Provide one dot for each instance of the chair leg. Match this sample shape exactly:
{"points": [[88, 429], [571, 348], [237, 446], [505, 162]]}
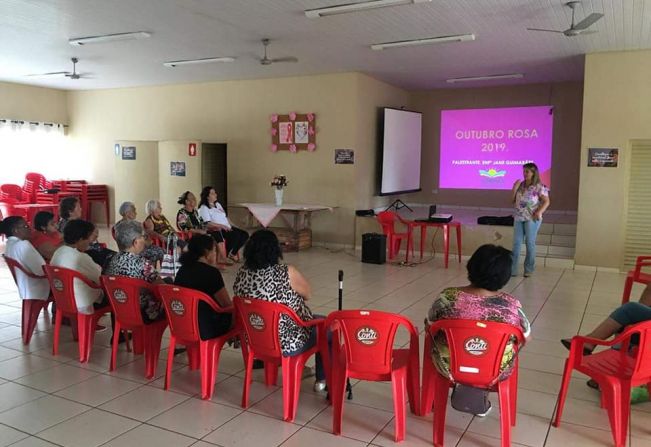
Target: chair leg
{"points": [[270, 374], [513, 383], [170, 361], [427, 394], [247, 379], [153, 341], [399, 383], [114, 347], [504, 391], [618, 397], [207, 359], [31, 311], [628, 286], [562, 394], [441, 388], [194, 357], [339, 380], [57, 333]]}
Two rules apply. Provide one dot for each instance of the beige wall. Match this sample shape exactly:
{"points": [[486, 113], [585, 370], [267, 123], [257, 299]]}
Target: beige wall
{"points": [[171, 187], [616, 110], [28, 103], [566, 97], [125, 170], [237, 113]]}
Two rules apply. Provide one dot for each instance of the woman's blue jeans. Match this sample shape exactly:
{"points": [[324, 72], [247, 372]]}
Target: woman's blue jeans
{"points": [[525, 231]]}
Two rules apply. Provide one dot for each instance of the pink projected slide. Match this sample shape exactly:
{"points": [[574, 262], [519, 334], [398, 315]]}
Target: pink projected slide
{"points": [[486, 148]]}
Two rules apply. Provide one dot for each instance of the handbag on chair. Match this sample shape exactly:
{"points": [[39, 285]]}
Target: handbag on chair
{"points": [[170, 265]]}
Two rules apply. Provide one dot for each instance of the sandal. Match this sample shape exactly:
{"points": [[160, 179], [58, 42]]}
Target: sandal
{"points": [[567, 342], [593, 384]]}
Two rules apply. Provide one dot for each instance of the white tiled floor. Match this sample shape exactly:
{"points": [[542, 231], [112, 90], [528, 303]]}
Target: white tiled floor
{"points": [[47, 400]]}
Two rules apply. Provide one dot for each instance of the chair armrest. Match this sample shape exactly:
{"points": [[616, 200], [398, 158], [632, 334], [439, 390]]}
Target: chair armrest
{"points": [[642, 261]]}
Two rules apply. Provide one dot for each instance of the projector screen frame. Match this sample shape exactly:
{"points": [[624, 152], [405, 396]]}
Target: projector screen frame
{"points": [[380, 151]]}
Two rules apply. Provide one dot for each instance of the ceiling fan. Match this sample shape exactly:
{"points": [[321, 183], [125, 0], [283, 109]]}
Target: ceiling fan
{"points": [[575, 29], [267, 61], [67, 74]]}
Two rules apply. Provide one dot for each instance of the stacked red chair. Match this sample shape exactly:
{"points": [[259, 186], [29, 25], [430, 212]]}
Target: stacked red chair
{"points": [[7, 208], [476, 351], [387, 220], [13, 192], [181, 306], [124, 296], [362, 348], [260, 319], [615, 370], [62, 285], [31, 307], [636, 275]]}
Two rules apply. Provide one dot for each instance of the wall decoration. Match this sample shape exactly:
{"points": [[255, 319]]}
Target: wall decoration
{"points": [[177, 168], [192, 149], [117, 148], [603, 157], [344, 156], [293, 132], [128, 152]]}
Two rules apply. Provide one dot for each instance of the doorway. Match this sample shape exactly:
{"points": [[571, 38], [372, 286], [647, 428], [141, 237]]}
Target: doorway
{"points": [[214, 171]]}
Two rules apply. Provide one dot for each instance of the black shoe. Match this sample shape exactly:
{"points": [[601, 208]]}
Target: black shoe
{"points": [[593, 384], [258, 364], [178, 351]]}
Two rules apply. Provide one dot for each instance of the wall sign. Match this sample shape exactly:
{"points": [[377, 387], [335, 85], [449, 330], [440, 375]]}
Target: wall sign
{"points": [[603, 157], [128, 152], [177, 168], [344, 157], [192, 149]]}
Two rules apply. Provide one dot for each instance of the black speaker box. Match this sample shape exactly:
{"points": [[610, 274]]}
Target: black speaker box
{"points": [[374, 248]]}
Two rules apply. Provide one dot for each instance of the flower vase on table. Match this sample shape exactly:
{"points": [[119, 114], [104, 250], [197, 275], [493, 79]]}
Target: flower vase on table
{"points": [[279, 196], [279, 182]]}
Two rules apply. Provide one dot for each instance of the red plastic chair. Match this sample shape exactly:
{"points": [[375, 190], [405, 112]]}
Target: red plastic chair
{"points": [[636, 275], [182, 305], [260, 321], [476, 350], [15, 192], [31, 307], [362, 348], [7, 208], [62, 286], [616, 372], [387, 220], [124, 295]]}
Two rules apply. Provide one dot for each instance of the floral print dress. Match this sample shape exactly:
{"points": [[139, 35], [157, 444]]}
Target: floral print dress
{"points": [[527, 201], [455, 304]]}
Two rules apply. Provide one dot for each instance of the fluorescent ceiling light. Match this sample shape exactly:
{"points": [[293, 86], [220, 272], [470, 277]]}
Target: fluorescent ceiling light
{"points": [[109, 38], [485, 78], [207, 60], [356, 7], [427, 41]]}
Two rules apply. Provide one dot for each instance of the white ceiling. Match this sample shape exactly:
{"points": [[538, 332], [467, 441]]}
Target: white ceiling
{"points": [[34, 39]]}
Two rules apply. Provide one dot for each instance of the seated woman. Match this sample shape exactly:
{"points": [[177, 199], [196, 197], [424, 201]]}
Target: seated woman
{"points": [[129, 262], [156, 224], [199, 271], [263, 277], [77, 236], [45, 237], [229, 237], [151, 252], [70, 209], [187, 218], [20, 249], [489, 269]]}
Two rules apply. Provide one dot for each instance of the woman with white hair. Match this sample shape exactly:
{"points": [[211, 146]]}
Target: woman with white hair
{"points": [[156, 225], [128, 212], [129, 262]]}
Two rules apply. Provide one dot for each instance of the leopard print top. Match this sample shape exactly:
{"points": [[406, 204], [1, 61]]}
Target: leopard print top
{"points": [[272, 284]]}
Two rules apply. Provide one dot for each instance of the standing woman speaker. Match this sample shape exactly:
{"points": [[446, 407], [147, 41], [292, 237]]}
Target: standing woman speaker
{"points": [[530, 199]]}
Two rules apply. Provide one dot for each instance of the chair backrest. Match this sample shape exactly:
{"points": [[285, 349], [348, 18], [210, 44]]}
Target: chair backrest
{"points": [[11, 191], [62, 285], [7, 209], [38, 180], [260, 321], [387, 220], [367, 336], [124, 295], [15, 265], [181, 306], [476, 348]]}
